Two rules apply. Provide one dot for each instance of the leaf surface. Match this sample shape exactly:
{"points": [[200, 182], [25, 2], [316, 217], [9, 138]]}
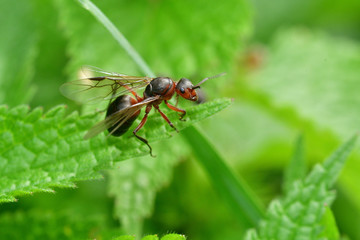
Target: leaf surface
{"points": [[38, 152], [299, 214]]}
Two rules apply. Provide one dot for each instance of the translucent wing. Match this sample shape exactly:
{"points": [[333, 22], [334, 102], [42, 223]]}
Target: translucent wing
{"points": [[101, 85], [87, 69], [118, 118]]}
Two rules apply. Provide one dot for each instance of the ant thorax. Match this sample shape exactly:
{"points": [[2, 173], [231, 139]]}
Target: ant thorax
{"points": [[162, 86]]}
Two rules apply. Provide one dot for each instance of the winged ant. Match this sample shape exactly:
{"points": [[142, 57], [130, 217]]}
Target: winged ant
{"points": [[123, 109]]}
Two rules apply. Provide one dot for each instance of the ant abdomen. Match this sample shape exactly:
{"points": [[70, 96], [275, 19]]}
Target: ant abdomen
{"points": [[120, 103]]}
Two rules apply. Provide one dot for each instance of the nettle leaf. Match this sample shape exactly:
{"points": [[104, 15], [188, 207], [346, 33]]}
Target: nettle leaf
{"points": [[297, 166], [171, 236], [331, 230], [316, 75], [18, 52], [300, 214], [39, 151], [134, 183], [45, 224], [156, 128]]}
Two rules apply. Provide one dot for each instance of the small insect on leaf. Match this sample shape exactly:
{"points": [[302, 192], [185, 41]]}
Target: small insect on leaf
{"points": [[98, 85]]}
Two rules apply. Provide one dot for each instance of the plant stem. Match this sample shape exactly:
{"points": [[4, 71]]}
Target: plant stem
{"points": [[119, 37], [233, 189]]}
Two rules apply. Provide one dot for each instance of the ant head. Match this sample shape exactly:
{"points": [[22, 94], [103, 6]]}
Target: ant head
{"points": [[186, 89]]}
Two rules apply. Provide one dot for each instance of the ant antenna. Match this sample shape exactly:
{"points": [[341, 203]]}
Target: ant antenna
{"points": [[205, 79]]}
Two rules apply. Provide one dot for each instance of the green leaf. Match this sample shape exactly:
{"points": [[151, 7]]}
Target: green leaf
{"points": [[18, 51], [39, 151], [299, 214], [134, 184], [150, 237], [238, 139], [336, 17], [232, 188], [125, 237], [316, 75], [41, 224], [297, 167], [47, 151], [51, 46], [156, 128], [330, 230], [171, 236], [251, 235]]}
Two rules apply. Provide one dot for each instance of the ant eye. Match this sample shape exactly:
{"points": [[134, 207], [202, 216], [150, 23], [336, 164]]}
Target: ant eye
{"points": [[182, 90]]}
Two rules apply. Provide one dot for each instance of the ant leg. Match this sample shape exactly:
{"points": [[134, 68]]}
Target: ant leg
{"points": [[166, 118], [183, 112], [142, 123], [138, 98]]}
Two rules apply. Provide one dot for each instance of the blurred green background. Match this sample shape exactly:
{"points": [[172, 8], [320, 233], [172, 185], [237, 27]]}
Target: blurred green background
{"points": [[293, 67]]}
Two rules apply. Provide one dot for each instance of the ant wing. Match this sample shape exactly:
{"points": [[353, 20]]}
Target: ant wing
{"points": [[118, 118], [96, 87], [90, 71]]}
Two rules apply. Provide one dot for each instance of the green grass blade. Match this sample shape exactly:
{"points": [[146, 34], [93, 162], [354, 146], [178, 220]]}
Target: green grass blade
{"points": [[297, 166], [232, 188], [118, 36]]}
